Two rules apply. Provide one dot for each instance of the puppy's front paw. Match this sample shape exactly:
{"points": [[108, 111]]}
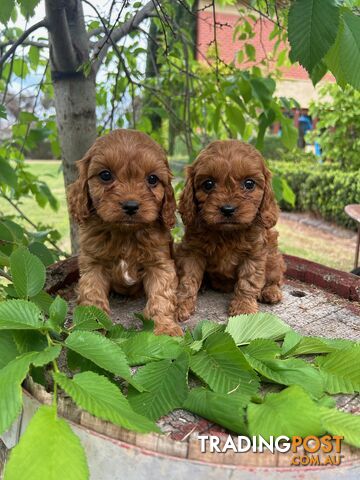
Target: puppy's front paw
{"points": [[185, 309], [271, 294], [243, 306], [172, 329]]}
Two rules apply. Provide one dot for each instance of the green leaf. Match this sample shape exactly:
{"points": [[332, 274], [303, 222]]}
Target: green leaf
{"points": [[16, 230], [57, 312], [263, 88], [7, 235], [341, 370], [202, 331], [42, 252], [47, 449], [289, 133], [290, 412], [291, 340], [287, 193], [8, 349], [326, 401], [88, 317], [29, 341], [343, 424], [223, 366], [205, 328], [6, 8], [262, 349], [145, 347], [100, 397], [312, 29], [119, 334], [34, 56], [221, 408], [290, 372], [4, 260], [102, 351], [28, 272], [46, 356], [235, 118], [11, 378], [166, 385], [318, 72], [344, 57], [244, 328], [250, 51], [295, 344], [7, 174], [43, 300], [78, 363], [148, 324], [19, 314], [27, 7], [3, 113]]}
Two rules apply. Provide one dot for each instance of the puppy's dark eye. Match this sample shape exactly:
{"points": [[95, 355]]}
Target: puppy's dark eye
{"points": [[152, 180], [249, 184], [208, 185], [106, 176]]}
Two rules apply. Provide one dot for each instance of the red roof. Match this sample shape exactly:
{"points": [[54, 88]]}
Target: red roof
{"points": [[228, 48]]}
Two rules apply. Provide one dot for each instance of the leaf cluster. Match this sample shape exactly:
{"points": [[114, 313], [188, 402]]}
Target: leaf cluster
{"points": [[233, 365], [325, 35]]}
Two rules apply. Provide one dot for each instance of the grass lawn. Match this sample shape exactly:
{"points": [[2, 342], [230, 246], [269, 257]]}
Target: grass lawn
{"points": [[48, 171], [295, 238], [311, 243]]}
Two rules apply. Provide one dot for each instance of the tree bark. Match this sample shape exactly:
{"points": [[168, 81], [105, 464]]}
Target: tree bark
{"points": [[76, 121], [75, 93], [75, 100]]}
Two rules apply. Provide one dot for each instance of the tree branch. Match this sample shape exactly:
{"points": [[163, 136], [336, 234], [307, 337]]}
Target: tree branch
{"points": [[63, 54], [5, 275], [25, 43], [21, 39], [102, 46]]}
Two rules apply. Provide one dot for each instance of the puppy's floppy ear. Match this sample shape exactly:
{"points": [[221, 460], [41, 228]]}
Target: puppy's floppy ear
{"points": [[269, 210], [169, 205], [187, 206], [78, 194]]}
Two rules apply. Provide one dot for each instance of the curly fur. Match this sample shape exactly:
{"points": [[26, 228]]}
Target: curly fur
{"points": [[118, 251], [238, 253]]}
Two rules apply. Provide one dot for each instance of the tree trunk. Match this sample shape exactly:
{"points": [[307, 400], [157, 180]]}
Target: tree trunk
{"points": [[75, 100], [76, 121]]}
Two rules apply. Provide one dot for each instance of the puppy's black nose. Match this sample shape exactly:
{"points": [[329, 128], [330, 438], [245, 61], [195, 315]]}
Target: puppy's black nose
{"points": [[130, 207], [227, 210]]}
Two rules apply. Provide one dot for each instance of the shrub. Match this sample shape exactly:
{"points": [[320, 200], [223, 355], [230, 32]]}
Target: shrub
{"points": [[338, 127], [321, 189], [273, 147]]}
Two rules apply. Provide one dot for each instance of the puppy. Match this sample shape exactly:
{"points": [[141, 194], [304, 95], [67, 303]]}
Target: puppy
{"points": [[228, 209], [125, 205]]}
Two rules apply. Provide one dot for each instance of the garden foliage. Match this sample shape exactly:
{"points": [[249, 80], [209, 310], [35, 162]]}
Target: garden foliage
{"points": [[232, 363], [338, 128], [321, 188]]}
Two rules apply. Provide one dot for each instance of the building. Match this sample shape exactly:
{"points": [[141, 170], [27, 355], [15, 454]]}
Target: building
{"points": [[294, 81]]}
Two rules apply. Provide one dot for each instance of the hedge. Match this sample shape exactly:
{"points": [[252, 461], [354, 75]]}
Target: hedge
{"points": [[320, 188]]}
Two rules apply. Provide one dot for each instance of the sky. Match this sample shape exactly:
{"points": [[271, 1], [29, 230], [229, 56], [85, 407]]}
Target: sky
{"points": [[102, 6]]}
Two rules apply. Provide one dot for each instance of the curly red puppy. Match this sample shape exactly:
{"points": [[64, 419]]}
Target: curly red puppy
{"points": [[124, 202], [228, 208]]}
